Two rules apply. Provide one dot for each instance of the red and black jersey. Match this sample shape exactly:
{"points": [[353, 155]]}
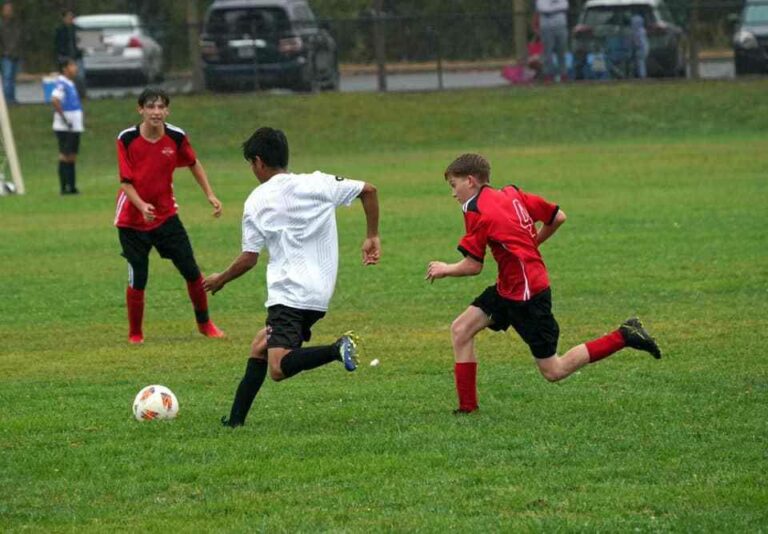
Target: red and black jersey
{"points": [[504, 219], [149, 167]]}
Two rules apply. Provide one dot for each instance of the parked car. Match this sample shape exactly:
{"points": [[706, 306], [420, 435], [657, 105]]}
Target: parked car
{"points": [[267, 43], [604, 28], [118, 45], [750, 41]]}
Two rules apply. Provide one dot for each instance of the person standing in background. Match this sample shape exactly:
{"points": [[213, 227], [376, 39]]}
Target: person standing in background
{"points": [[553, 28], [10, 41], [639, 45], [65, 46], [67, 124]]}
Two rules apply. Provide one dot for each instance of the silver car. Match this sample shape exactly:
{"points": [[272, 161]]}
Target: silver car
{"points": [[118, 46]]}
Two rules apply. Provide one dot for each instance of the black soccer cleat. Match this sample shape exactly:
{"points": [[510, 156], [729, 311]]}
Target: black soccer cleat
{"points": [[227, 423], [637, 337], [461, 411]]}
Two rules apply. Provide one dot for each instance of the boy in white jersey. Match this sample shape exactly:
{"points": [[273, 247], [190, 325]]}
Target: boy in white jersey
{"points": [[293, 217]]}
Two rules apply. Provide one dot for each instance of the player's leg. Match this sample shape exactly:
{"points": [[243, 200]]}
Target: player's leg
{"points": [[61, 138], [250, 384], [631, 334], [73, 149], [136, 247], [463, 331], [172, 242], [289, 329]]}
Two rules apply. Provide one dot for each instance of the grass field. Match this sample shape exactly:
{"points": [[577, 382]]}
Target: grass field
{"points": [[665, 189]]}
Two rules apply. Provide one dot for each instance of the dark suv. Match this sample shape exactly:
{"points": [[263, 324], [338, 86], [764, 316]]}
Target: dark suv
{"points": [[267, 43], [750, 42]]}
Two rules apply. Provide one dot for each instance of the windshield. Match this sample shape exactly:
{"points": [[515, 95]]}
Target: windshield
{"points": [[616, 15], [756, 14], [253, 21]]}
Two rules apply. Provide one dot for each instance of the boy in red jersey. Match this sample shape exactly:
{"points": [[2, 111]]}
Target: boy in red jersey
{"points": [[505, 220], [146, 212]]}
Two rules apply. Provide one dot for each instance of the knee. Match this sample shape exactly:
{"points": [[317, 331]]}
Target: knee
{"points": [[552, 375], [460, 334], [275, 373]]}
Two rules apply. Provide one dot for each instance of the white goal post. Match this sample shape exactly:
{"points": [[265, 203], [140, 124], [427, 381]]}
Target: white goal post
{"points": [[9, 160]]}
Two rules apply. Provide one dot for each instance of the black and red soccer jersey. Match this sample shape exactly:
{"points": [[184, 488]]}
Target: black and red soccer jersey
{"points": [[149, 167], [504, 219]]}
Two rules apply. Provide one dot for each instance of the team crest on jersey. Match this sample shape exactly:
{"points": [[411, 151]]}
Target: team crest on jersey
{"points": [[168, 151]]}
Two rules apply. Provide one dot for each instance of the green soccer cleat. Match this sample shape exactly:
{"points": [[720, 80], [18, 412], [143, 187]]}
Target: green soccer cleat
{"points": [[637, 337]]}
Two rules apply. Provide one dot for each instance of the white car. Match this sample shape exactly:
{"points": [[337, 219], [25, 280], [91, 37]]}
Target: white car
{"points": [[118, 46]]}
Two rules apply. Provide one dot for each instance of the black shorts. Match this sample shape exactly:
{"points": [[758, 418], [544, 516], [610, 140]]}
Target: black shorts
{"points": [[288, 328], [532, 319], [69, 142], [170, 239]]}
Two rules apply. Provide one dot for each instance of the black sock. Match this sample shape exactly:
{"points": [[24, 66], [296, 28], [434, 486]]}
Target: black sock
{"points": [[63, 176], [299, 360], [71, 177], [255, 372]]}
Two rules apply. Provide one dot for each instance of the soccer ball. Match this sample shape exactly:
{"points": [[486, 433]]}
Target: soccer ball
{"points": [[155, 402]]}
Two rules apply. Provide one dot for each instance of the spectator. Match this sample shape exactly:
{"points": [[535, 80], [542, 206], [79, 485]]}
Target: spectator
{"points": [[639, 45], [10, 41], [553, 27], [65, 46]]}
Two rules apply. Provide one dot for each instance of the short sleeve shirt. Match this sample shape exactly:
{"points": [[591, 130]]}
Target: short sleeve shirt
{"points": [[149, 166], [293, 216], [504, 221]]}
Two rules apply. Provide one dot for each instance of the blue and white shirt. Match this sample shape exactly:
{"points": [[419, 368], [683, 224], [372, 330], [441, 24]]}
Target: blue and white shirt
{"points": [[66, 93]]}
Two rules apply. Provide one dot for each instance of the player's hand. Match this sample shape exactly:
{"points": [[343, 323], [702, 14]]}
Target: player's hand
{"points": [[216, 203], [213, 283], [148, 211], [371, 251], [435, 270], [69, 125]]}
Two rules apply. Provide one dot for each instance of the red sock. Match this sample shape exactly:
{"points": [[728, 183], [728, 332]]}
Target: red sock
{"points": [[466, 385], [199, 299], [603, 347], [134, 299]]}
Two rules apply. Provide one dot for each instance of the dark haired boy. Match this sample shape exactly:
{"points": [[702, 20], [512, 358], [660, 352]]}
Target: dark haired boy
{"points": [[293, 217], [505, 220], [68, 124], [146, 213]]}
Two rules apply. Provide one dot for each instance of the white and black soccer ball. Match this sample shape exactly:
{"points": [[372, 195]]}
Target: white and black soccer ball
{"points": [[155, 402]]}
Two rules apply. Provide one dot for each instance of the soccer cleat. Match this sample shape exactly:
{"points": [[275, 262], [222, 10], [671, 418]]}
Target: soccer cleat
{"points": [[226, 422], [208, 329], [637, 337], [136, 339], [462, 411], [347, 345]]}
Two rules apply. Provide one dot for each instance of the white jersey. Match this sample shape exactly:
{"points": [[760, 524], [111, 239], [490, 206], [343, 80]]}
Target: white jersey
{"points": [[293, 216]]}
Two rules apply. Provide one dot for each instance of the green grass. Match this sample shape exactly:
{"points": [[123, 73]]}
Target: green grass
{"points": [[665, 189]]}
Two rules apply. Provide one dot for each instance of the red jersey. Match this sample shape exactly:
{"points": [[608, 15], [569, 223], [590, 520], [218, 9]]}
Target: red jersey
{"points": [[149, 167], [504, 220]]}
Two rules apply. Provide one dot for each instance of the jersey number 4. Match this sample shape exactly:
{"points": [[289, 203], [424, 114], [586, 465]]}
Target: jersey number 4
{"points": [[524, 218]]}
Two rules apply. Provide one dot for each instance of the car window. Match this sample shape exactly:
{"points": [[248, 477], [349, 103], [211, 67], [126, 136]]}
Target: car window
{"points": [[664, 13], [247, 21], [616, 15], [303, 16], [111, 28], [756, 14]]}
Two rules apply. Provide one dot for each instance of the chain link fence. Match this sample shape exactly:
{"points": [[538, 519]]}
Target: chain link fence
{"points": [[385, 43]]}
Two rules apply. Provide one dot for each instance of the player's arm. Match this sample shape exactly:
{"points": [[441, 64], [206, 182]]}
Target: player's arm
{"points": [[198, 171], [146, 209], [372, 244], [546, 230], [56, 102], [469, 266], [242, 264]]}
